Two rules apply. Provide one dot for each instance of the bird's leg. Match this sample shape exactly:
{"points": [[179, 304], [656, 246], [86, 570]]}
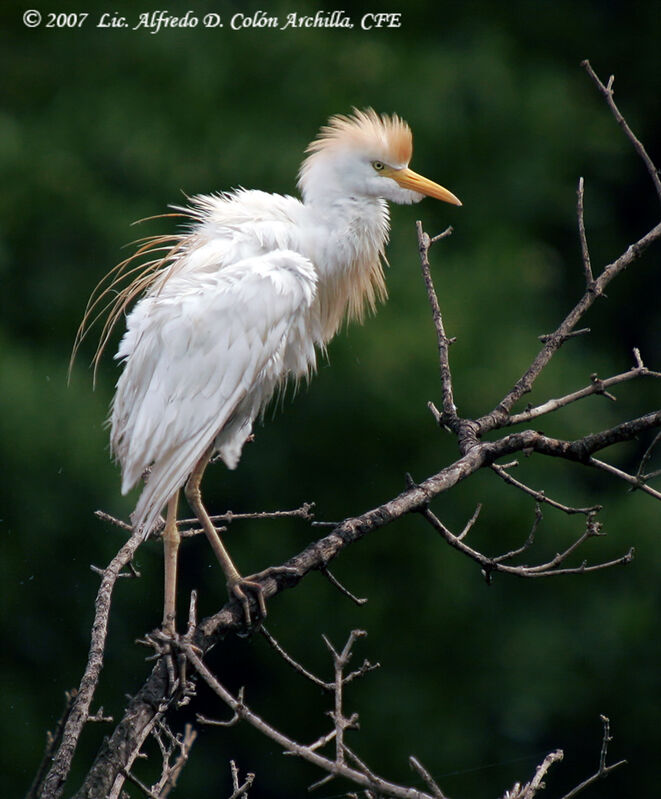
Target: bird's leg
{"points": [[237, 586], [171, 539]]}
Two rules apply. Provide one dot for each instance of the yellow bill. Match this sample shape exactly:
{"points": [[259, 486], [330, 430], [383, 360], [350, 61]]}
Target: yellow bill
{"points": [[408, 179]]}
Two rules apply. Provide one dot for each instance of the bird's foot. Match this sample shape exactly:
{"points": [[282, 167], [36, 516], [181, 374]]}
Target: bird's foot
{"points": [[167, 644], [241, 588]]}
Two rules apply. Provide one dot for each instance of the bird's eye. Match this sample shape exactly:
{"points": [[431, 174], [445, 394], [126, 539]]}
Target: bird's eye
{"points": [[378, 165]]}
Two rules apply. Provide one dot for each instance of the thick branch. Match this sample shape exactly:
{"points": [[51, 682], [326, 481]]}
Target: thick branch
{"points": [[53, 784]]}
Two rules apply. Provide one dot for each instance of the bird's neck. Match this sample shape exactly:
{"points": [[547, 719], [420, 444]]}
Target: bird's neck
{"points": [[347, 248]]}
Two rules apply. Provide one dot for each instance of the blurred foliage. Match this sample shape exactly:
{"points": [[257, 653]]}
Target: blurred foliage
{"points": [[102, 127]]}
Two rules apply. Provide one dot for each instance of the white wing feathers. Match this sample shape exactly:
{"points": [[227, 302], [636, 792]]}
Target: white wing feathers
{"points": [[202, 358]]}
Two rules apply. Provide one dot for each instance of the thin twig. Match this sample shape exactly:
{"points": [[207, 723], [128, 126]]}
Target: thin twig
{"points": [[171, 773], [514, 553], [424, 243], [603, 769], [607, 92], [236, 716], [427, 777], [574, 334], [551, 568], [499, 416], [293, 663], [136, 781], [628, 478], [242, 790], [585, 252], [540, 496], [340, 661], [597, 386], [640, 471], [106, 517], [341, 588], [305, 511]]}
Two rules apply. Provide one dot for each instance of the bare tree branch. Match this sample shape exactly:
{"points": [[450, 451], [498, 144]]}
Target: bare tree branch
{"points": [[294, 664], [585, 252], [240, 790], [539, 496], [596, 386], [603, 770], [607, 92], [424, 244], [427, 777], [78, 715], [500, 414], [333, 767]]}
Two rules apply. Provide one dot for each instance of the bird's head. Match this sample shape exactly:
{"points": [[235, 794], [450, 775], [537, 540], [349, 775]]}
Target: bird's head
{"points": [[366, 155]]}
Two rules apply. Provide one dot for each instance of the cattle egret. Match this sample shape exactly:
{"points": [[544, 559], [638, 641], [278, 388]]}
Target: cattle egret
{"points": [[236, 305]]}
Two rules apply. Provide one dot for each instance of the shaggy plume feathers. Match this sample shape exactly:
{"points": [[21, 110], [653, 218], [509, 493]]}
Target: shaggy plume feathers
{"points": [[366, 130]]}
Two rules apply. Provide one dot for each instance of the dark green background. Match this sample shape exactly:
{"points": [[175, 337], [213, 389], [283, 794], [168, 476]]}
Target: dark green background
{"points": [[99, 128]]}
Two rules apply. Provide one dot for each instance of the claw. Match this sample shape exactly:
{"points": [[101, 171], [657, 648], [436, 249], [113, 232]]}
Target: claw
{"points": [[241, 587]]}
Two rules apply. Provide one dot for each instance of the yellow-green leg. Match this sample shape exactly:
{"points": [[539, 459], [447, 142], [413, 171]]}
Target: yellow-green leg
{"points": [[237, 586], [171, 539]]}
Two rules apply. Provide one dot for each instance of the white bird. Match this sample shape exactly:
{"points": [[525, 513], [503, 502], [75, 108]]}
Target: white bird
{"points": [[238, 304]]}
